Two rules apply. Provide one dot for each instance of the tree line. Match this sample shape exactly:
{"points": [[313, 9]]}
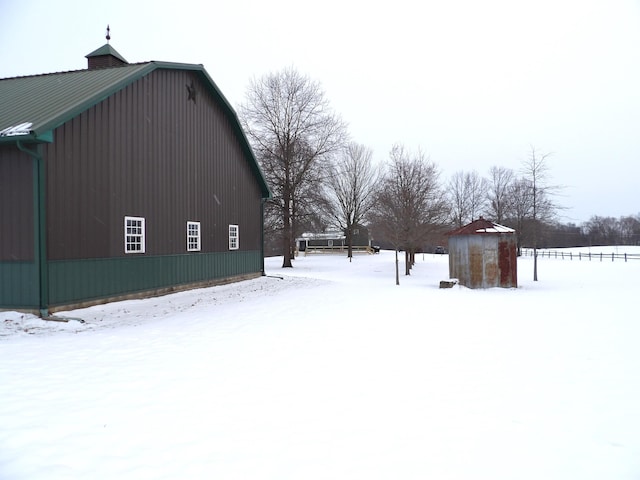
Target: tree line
{"points": [[320, 179]]}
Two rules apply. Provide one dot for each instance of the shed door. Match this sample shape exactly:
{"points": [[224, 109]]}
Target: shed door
{"points": [[491, 275]]}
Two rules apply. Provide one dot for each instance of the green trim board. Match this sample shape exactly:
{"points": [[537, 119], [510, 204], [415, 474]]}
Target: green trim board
{"points": [[19, 285], [74, 281]]}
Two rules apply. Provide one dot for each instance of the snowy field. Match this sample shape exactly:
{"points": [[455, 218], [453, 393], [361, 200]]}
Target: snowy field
{"points": [[334, 372]]}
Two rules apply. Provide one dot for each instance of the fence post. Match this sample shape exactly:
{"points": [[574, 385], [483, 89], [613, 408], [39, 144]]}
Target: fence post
{"points": [[612, 256], [600, 256], [625, 257]]}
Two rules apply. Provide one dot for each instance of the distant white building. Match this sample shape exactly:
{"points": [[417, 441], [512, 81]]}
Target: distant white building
{"points": [[334, 240]]}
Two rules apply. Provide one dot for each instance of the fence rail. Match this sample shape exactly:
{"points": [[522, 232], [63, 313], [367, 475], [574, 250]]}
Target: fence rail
{"points": [[589, 256]]}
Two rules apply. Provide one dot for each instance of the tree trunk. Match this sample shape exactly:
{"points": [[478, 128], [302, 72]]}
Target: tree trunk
{"points": [[286, 234], [397, 269], [535, 241], [407, 262]]}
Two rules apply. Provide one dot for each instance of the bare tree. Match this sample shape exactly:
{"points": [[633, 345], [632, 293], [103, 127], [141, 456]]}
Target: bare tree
{"points": [[602, 230], [468, 196], [351, 188], [458, 199], [477, 188], [292, 130], [536, 171], [500, 179], [520, 207], [612, 231], [410, 203], [629, 230]]}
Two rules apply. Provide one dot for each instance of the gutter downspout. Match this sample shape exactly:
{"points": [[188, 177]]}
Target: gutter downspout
{"points": [[262, 201], [39, 227]]}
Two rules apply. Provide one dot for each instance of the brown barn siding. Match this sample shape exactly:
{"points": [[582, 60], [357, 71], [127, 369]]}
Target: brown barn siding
{"points": [[187, 154], [16, 205]]}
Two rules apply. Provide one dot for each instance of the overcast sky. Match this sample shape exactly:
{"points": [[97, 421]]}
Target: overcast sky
{"points": [[471, 83]]}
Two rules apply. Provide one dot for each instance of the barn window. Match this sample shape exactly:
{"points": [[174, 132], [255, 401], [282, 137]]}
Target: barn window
{"points": [[193, 236], [134, 235], [233, 237]]}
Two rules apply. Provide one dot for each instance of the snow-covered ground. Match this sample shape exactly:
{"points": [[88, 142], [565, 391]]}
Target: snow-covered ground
{"points": [[334, 372]]}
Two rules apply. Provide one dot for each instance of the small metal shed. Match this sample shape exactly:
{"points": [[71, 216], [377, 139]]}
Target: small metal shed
{"points": [[483, 254]]}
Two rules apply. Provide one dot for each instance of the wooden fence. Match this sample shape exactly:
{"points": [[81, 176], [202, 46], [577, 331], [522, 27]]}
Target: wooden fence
{"points": [[588, 256]]}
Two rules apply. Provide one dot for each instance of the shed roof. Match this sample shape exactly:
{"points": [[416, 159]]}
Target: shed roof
{"points": [[33, 106], [480, 227]]}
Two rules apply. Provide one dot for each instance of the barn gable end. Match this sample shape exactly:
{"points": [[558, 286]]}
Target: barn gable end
{"points": [[88, 149]]}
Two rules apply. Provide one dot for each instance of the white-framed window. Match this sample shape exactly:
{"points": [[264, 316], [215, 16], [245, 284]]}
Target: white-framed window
{"points": [[134, 235], [234, 240], [193, 236]]}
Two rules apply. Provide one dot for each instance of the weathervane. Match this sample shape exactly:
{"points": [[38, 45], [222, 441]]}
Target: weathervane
{"points": [[108, 33]]}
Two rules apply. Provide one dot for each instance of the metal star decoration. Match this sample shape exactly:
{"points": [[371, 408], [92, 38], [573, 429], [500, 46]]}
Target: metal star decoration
{"points": [[191, 89]]}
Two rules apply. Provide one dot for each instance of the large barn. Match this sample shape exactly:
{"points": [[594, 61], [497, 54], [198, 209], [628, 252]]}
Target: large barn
{"points": [[123, 180]]}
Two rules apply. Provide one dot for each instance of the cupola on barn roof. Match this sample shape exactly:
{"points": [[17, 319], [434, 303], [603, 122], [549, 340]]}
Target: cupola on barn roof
{"points": [[105, 50], [106, 56]]}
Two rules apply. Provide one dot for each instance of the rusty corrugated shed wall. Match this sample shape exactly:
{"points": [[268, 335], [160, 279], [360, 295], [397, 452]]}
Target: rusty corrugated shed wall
{"points": [[483, 260]]}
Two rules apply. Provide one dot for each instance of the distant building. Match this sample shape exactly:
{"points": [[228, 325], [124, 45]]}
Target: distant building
{"points": [[483, 254], [334, 240], [123, 180]]}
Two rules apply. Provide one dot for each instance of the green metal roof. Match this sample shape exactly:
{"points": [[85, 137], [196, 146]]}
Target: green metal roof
{"points": [[47, 101], [32, 107]]}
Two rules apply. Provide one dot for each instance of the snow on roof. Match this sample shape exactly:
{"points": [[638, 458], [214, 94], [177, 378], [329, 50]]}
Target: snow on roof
{"points": [[481, 226], [495, 229], [21, 129], [323, 236]]}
